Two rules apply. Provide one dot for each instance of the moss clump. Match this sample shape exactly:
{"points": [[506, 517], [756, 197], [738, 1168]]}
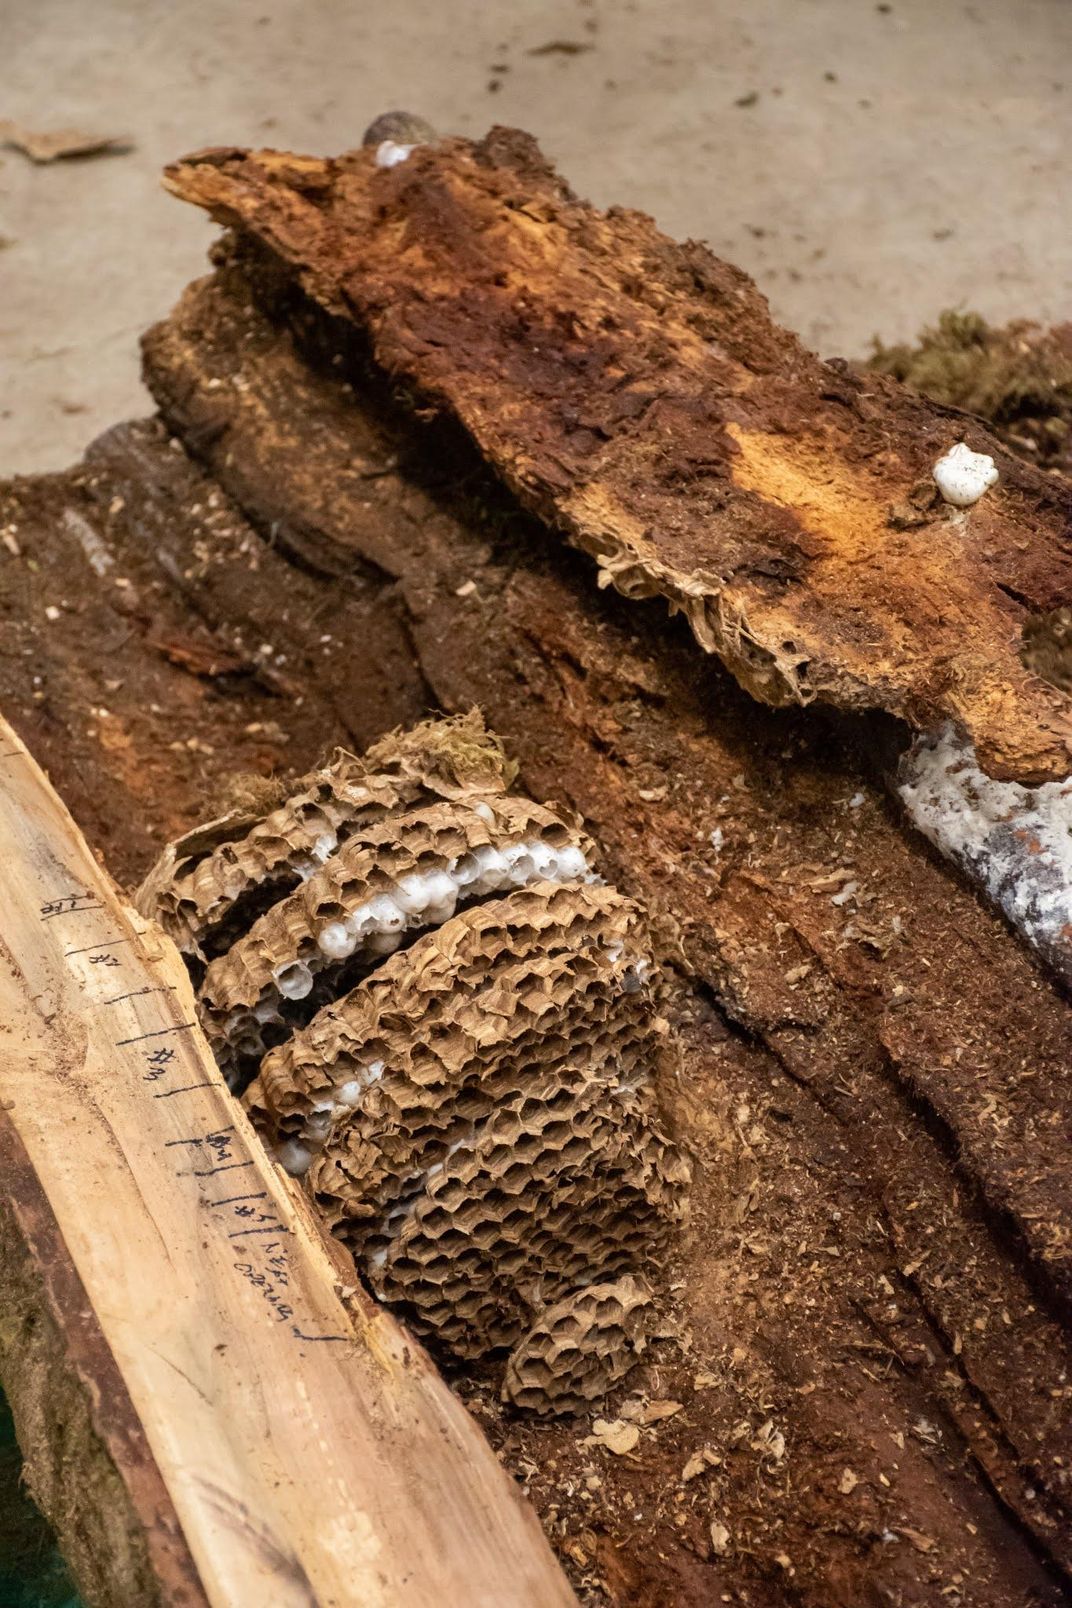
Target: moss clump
{"points": [[1018, 378], [457, 752]]}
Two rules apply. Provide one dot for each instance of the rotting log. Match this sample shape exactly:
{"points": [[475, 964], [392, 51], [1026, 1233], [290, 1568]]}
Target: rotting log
{"points": [[907, 1014], [636, 394], [610, 709], [211, 1410], [875, 1086]]}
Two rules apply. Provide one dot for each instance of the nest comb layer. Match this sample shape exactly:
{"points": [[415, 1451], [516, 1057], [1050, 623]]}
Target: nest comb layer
{"points": [[451, 1026], [578, 1347], [210, 885], [479, 1119], [390, 879]]}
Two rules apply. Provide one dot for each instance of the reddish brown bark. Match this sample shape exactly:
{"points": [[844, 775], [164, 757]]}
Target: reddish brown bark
{"points": [[636, 394]]}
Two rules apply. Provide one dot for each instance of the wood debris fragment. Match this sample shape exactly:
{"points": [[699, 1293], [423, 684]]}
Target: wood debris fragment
{"points": [[61, 143]]}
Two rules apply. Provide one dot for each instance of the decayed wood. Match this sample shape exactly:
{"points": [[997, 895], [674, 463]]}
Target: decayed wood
{"points": [[935, 1055], [637, 394], [206, 1418]]}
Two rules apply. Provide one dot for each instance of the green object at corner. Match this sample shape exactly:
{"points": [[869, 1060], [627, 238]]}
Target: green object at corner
{"points": [[32, 1572]]}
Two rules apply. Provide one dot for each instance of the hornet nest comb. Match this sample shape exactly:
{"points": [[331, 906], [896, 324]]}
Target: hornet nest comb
{"points": [[442, 1019]]}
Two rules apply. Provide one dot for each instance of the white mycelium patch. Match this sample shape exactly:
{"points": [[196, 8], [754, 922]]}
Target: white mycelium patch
{"points": [[390, 154], [962, 475], [1014, 841]]}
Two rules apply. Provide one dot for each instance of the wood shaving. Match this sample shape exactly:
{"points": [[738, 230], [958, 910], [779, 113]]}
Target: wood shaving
{"points": [[61, 143]]}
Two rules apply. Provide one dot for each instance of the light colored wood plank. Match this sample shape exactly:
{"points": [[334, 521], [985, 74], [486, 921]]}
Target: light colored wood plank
{"points": [[274, 1443]]}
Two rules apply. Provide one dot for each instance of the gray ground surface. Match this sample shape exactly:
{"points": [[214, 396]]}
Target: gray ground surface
{"points": [[868, 163]]}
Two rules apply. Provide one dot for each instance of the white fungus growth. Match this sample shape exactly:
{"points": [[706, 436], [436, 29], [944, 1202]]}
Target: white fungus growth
{"points": [[389, 154], [1014, 842], [962, 475]]}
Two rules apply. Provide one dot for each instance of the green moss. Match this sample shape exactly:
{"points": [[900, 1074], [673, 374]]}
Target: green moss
{"points": [[1018, 378]]}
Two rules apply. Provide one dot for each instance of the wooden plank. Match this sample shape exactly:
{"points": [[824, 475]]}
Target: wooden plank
{"points": [[251, 1435], [636, 394]]}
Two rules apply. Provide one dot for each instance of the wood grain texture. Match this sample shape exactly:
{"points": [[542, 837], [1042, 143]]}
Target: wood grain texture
{"points": [[244, 1433], [637, 394]]}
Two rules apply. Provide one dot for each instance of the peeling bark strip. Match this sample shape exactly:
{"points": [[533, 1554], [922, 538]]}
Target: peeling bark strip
{"points": [[636, 393]]}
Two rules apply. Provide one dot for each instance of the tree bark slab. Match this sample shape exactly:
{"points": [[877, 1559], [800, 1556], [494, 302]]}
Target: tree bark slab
{"points": [[636, 394]]}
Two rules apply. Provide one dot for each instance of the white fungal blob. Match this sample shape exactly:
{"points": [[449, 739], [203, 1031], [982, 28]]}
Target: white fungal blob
{"points": [[389, 153], [1014, 842], [963, 475]]}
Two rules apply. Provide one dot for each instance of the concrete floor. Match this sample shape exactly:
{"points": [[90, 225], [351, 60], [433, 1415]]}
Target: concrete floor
{"points": [[868, 163]]}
